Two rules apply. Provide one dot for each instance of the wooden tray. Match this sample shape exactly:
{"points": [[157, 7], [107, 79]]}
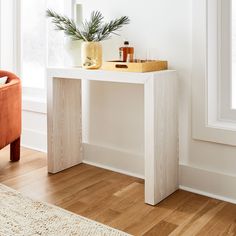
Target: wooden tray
{"points": [[143, 66]]}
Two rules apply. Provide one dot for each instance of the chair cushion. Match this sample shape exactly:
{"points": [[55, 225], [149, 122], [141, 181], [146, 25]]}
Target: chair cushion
{"points": [[3, 80]]}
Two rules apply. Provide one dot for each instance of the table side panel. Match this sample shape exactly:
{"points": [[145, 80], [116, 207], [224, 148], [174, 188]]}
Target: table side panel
{"points": [[64, 124], [161, 138]]}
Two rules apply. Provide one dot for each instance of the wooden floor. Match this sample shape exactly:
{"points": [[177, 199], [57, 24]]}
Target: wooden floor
{"points": [[117, 200]]}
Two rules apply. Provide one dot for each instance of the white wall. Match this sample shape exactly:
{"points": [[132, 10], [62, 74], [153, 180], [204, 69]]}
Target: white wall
{"points": [[114, 124], [163, 28]]}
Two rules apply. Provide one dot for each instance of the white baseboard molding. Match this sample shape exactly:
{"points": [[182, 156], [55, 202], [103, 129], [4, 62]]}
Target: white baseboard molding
{"points": [[208, 194], [208, 183], [105, 157], [204, 182], [115, 160], [113, 169], [34, 140]]}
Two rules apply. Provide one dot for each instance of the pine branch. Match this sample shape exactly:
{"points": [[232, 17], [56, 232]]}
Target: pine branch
{"points": [[90, 31], [92, 28], [63, 23], [112, 27]]}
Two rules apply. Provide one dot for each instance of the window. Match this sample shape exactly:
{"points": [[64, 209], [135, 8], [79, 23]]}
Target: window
{"points": [[40, 45], [6, 35], [213, 71], [34, 43], [226, 60]]}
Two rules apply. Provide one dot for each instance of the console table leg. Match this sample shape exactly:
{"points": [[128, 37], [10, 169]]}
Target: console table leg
{"points": [[161, 139], [64, 124]]}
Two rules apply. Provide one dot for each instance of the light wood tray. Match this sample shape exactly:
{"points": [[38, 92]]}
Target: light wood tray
{"points": [[146, 66]]}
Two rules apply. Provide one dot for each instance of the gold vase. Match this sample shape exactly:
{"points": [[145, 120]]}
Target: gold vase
{"points": [[91, 55]]}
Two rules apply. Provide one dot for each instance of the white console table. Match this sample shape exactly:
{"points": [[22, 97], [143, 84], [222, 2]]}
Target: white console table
{"points": [[65, 147]]}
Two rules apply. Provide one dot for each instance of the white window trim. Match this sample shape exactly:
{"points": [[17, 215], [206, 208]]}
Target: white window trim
{"points": [[225, 60], [206, 124]]}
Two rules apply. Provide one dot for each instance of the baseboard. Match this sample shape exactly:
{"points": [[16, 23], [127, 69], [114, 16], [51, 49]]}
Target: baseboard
{"points": [[34, 140], [114, 169], [193, 179], [105, 157], [114, 159], [208, 194], [208, 183]]}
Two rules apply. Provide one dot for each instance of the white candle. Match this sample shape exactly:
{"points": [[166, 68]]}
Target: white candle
{"points": [[78, 13]]}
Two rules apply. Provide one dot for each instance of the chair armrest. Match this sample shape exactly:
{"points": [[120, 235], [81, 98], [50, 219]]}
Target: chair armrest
{"points": [[10, 109]]}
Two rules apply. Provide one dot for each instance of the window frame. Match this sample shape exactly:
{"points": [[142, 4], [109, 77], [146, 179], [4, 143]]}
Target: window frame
{"points": [[226, 113], [33, 94], [29, 93], [207, 123]]}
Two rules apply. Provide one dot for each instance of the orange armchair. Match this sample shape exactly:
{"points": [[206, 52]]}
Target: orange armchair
{"points": [[10, 114]]}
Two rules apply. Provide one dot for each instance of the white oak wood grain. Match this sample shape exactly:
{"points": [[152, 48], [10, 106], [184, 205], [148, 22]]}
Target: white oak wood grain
{"points": [[161, 124], [64, 124], [161, 138]]}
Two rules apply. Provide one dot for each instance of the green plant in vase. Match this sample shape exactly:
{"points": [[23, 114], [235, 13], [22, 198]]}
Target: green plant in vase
{"points": [[91, 32]]}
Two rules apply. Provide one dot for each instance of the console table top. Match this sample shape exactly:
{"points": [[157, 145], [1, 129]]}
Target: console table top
{"points": [[106, 76]]}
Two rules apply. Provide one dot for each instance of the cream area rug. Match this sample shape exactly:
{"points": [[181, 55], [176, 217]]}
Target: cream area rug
{"points": [[22, 216]]}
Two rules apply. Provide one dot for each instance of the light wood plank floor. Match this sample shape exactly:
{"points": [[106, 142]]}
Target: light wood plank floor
{"points": [[116, 200]]}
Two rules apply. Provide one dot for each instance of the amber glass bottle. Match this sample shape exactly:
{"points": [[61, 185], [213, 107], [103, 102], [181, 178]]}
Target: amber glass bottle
{"points": [[126, 52]]}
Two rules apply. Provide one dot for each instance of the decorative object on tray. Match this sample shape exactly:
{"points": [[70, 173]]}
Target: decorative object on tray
{"points": [[136, 66], [126, 52], [23, 216], [91, 32]]}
